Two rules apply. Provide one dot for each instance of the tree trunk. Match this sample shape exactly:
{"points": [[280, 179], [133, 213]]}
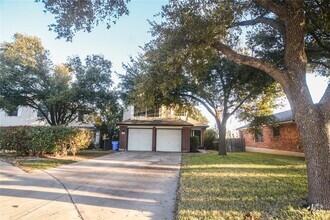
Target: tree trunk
{"points": [[222, 136], [101, 140], [310, 118], [313, 124], [315, 138], [222, 140]]}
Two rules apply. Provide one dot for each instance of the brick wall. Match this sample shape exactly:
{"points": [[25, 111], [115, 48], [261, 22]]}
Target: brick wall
{"points": [[186, 139], [289, 139], [123, 137]]}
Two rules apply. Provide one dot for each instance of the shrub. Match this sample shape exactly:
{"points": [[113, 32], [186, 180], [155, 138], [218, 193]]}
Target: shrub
{"points": [[15, 139], [80, 139], [194, 142], [38, 140], [210, 136], [42, 140]]}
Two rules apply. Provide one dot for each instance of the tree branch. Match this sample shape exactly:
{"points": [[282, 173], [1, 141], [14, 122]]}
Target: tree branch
{"points": [[320, 63], [272, 6], [264, 20], [263, 65], [33, 104], [202, 102], [325, 100], [319, 42], [239, 105]]}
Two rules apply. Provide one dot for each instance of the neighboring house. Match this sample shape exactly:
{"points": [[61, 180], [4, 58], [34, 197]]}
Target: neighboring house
{"points": [[282, 137], [158, 129], [27, 116], [22, 116]]}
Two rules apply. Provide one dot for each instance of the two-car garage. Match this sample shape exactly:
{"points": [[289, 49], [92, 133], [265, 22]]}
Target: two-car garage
{"points": [[141, 139], [174, 136]]}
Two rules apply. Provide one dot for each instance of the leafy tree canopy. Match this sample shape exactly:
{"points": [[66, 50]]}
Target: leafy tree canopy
{"points": [[108, 113], [58, 92], [72, 16], [190, 25]]}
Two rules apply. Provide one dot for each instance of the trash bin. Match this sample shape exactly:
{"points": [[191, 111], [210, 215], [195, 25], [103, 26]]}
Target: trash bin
{"points": [[115, 145]]}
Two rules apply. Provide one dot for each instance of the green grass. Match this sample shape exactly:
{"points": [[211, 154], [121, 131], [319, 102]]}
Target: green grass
{"points": [[267, 186], [41, 163], [93, 153]]}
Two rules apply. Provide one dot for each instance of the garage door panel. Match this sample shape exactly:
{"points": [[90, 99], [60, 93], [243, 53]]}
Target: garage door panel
{"points": [[169, 140], [139, 139]]}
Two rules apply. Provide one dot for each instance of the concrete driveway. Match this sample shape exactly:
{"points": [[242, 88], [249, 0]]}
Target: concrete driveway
{"points": [[124, 185]]}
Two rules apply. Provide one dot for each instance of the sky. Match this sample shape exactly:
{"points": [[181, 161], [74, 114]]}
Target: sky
{"points": [[117, 44]]}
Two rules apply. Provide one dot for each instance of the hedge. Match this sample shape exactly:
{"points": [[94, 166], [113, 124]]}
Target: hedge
{"points": [[194, 142], [25, 140]]}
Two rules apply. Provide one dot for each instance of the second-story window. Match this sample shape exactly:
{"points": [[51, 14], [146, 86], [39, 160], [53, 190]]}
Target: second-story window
{"points": [[153, 112], [80, 116], [139, 111], [181, 113], [146, 112], [13, 112], [39, 114]]}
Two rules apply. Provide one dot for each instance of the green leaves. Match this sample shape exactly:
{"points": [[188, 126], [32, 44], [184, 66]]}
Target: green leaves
{"points": [[73, 16], [38, 140], [28, 78]]}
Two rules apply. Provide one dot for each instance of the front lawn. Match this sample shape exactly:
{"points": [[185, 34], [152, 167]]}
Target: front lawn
{"points": [[264, 186], [31, 164]]}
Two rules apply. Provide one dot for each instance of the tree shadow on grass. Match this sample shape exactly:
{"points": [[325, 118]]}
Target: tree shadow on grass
{"points": [[268, 186]]}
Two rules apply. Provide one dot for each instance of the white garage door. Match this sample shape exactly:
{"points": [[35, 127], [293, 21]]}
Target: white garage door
{"points": [[168, 140], [139, 139]]}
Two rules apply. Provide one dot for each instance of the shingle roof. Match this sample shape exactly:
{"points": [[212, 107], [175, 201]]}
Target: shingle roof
{"points": [[284, 116], [279, 117], [156, 122], [196, 123]]}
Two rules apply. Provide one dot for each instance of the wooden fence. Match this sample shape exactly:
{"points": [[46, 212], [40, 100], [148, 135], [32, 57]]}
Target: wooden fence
{"points": [[235, 144]]}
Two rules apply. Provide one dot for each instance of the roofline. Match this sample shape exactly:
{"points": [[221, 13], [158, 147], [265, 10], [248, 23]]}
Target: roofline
{"points": [[165, 125], [280, 122]]}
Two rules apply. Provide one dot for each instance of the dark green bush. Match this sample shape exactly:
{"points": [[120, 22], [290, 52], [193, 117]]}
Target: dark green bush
{"points": [[210, 137], [194, 142], [15, 139], [38, 140]]}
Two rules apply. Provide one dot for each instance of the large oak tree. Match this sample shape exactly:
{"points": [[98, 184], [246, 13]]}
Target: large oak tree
{"points": [[60, 93]]}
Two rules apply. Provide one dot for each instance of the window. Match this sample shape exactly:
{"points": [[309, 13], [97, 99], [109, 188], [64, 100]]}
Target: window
{"points": [[44, 109], [139, 111], [13, 112], [146, 112], [181, 113], [276, 131], [80, 116], [153, 112], [39, 114], [259, 137]]}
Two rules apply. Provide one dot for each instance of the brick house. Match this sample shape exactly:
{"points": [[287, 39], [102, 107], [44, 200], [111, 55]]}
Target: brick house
{"points": [[282, 137], [158, 129]]}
